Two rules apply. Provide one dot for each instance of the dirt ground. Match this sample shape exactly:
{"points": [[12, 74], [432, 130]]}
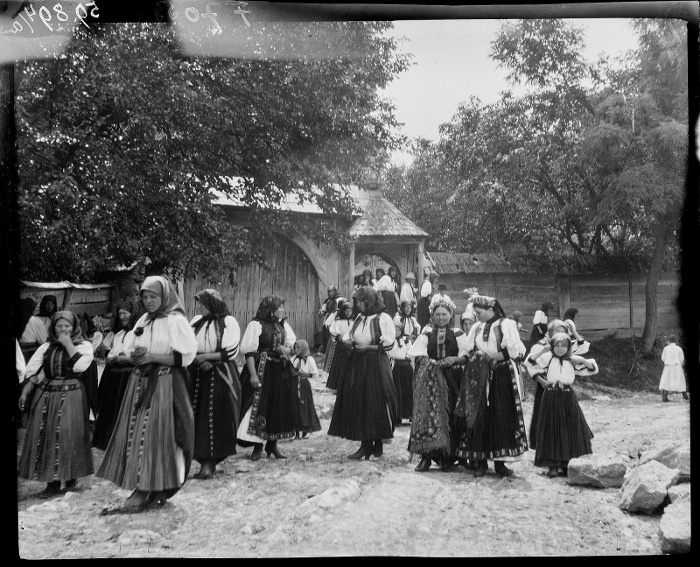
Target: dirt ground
{"points": [[318, 503]]}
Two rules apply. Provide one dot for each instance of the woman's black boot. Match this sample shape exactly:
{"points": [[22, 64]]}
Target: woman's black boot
{"points": [[357, 455], [52, 489], [271, 449], [424, 464], [664, 396], [378, 449], [481, 467], [257, 452]]}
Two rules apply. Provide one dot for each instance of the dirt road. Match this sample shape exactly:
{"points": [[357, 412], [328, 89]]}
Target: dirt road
{"points": [[318, 503]]}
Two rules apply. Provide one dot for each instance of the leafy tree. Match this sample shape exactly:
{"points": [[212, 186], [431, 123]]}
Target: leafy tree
{"points": [[122, 138]]}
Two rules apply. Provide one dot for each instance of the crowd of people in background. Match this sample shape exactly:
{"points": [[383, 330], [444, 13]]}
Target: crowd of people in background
{"points": [[171, 392]]}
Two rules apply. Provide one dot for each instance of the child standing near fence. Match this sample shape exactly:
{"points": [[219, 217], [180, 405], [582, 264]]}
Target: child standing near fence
{"points": [[305, 366], [562, 431], [672, 377]]}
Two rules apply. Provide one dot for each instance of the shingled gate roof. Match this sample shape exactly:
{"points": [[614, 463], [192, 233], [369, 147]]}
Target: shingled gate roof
{"points": [[380, 217], [493, 263]]}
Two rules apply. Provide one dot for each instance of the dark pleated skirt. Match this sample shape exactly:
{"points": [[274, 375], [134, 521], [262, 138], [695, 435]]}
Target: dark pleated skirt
{"points": [[339, 364], [423, 311], [365, 404], [216, 403], [532, 437], [390, 303], [562, 432], [57, 443], [110, 394], [307, 420], [90, 381], [499, 429], [402, 373], [276, 404], [143, 450]]}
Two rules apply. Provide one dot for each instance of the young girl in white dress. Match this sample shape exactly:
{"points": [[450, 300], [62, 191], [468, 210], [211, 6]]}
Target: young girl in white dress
{"points": [[672, 377]]}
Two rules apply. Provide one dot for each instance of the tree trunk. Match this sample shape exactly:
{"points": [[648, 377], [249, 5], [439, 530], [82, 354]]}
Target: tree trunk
{"points": [[664, 230]]}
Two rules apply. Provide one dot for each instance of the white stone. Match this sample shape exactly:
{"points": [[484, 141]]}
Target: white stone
{"points": [[247, 529], [673, 456], [138, 537], [602, 398], [645, 487], [335, 495], [679, 492], [674, 528], [604, 470]]}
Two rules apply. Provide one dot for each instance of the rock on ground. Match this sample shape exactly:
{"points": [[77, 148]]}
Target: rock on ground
{"points": [[599, 470], [645, 487], [674, 457], [679, 492], [674, 528]]}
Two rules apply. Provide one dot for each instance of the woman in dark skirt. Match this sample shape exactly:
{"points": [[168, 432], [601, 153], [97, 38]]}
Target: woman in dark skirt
{"points": [[338, 352], [269, 386], [440, 352], [365, 405], [305, 367], [539, 349], [57, 443], [540, 323], [407, 329], [150, 451], [115, 377], [490, 403], [562, 432], [215, 385]]}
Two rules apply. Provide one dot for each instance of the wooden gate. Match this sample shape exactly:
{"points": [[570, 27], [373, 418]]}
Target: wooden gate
{"points": [[292, 277]]}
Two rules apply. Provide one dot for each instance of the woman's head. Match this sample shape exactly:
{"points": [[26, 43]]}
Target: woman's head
{"points": [[209, 302], [128, 312], [271, 308], [673, 339], [486, 308], [159, 298], [345, 310], [379, 273], [570, 313], [65, 323], [434, 276], [406, 308], [556, 326], [366, 274], [48, 306], [547, 307], [561, 345], [368, 301], [301, 348], [441, 312]]}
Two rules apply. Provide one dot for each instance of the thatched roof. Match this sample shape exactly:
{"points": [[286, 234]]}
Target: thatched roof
{"points": [[381, 218], [492, 263]]}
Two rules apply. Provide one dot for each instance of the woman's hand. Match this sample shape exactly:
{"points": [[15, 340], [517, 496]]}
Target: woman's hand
{"points": [[141, 356], [205, 366], [542, 381], [22, 402], [200, 358], [64, 339], [254, 380]]}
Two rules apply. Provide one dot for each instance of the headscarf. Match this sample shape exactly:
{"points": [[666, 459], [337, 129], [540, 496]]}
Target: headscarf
{"points": [[212, 300], [305, 350], [133, 306], [371, 298], [403, 312], [267, 308], [27, 306], [486, 302], [43, 308], [170, 302], [553, 324], [562, 337], [340, 312], [76, 335]]}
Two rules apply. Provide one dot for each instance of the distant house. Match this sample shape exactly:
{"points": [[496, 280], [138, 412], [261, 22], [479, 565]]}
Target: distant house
{"points": [[609, 292]]}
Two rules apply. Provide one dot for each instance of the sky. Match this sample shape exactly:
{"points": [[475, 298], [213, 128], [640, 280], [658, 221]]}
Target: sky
{"points": [[451, 64]]}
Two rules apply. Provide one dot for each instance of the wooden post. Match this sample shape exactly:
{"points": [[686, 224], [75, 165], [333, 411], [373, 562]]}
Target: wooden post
{"points": [[631, 303], [351, 271], [563, 293], [420, 264]]}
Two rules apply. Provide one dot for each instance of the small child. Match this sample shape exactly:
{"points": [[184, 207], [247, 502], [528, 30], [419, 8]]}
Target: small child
{"points": [[402, 374], [562, 431], [305, 366], [672, 377]]}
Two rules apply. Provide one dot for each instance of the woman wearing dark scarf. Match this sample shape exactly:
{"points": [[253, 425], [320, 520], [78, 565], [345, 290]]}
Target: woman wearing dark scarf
{"points": [[269, 386], [365, 405], [115, 377], [216, 386], [489, 400], [338, 351], [57, 444], [439, 352], [150, 451], [305, 368]]}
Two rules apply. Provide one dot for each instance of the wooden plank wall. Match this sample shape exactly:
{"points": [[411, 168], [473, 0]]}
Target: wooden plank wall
{"points": [[605, 302], [292, 277]]}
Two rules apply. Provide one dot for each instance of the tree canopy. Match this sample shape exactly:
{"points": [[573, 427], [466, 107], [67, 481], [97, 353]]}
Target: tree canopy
{"points": [[122, 137]]}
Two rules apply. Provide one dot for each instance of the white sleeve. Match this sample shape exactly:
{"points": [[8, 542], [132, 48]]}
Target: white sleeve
{"points": [[195, 319], [664, 354], [462, 343], [182, 338], [334, 328], [35, 331], [425, 289], [35, 362], [328, 323], [538, 317], [511, 338], [20, 363], [681, 356], [346, 334], [251, 338], [231, 337], [471, 337], [313, 369], [406, 294], [290, 337], [87, 356], [420, 347], [384, 284], [386, 325]]}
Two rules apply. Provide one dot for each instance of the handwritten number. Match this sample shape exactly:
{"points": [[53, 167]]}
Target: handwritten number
{"points": [[196, 14], [212, 15], [59, 12], [45, 16]]}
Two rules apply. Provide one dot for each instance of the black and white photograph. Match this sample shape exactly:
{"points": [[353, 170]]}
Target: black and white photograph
{"points": [[296, 280]]}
